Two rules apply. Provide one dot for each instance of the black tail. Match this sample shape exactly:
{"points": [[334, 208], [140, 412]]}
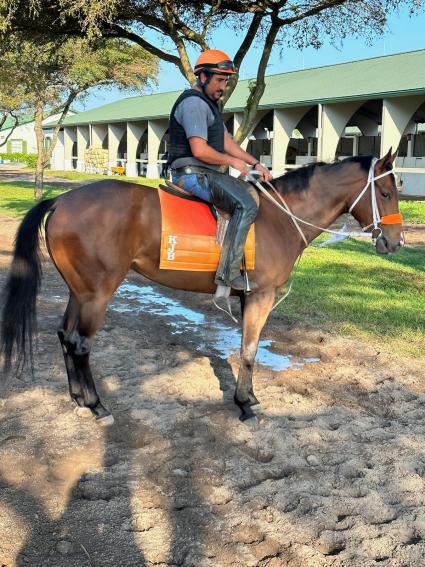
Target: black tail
{"points": [[19, 309]]}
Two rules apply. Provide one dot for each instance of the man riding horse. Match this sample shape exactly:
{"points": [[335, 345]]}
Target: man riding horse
{"points": [[199, 146]]}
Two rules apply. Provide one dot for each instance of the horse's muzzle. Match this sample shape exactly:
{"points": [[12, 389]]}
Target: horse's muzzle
{"points": [[383, 246]]}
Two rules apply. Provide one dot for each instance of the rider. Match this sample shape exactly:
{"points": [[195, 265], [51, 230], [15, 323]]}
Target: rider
{"points": [[200, 145]]}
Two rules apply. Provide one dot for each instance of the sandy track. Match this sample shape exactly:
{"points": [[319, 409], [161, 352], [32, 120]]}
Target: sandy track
{"points": [[333, 476]]}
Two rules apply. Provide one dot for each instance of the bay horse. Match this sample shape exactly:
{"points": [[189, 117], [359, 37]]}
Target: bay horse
{"points": [[96, 233]]}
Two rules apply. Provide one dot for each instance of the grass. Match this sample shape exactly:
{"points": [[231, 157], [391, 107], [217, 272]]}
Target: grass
{"points": [[349, 289], [413, 211], [17, 197], [345, 288], [79, 176]]}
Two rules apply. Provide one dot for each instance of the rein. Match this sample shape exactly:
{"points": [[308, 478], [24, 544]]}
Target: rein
{"points": [[395, 218]]}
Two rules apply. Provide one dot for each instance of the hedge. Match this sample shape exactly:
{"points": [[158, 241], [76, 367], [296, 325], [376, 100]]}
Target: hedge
{"points": [[29, 159]]}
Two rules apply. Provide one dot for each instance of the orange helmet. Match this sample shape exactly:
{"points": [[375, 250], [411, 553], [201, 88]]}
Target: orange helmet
{"points": [[214, 61]]}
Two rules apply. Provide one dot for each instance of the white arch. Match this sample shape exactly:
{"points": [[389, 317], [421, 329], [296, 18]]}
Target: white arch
{"points": [[396, 115], [285, 120], [333, 119], [135, 131]]}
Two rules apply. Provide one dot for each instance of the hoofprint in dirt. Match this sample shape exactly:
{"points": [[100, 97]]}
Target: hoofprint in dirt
{"points": [[334, 475]]}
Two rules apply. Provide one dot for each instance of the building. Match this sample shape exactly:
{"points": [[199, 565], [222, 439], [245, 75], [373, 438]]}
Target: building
{"points": [[357, 108], [23, 139]]}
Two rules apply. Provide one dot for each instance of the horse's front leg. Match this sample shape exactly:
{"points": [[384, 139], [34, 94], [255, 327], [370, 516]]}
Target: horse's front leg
{"points": [[256, 310]]}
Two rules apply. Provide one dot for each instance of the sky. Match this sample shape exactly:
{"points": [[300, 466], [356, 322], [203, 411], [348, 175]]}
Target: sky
{"points": [[403, 33]]}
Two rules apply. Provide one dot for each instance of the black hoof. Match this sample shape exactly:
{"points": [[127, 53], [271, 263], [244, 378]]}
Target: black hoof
{"points": [[253, 402], [247, 408], [102, 415]]}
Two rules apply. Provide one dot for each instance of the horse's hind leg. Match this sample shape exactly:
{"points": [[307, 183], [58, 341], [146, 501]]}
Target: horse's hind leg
{"points": [[67, 326], [82, 319], [256, 310]]}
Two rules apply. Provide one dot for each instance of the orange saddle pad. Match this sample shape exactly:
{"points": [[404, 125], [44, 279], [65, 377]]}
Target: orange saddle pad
{"points": [[188, 238]]}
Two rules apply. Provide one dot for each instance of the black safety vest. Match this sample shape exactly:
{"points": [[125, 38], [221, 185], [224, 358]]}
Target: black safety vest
{"points": [[179, 146]]}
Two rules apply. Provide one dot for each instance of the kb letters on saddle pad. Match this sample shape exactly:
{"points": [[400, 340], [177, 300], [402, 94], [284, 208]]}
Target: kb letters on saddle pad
{"points": [[188, 236]]}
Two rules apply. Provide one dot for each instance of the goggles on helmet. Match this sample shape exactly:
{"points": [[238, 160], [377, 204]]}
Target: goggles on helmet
{"points": [[222, 67]]}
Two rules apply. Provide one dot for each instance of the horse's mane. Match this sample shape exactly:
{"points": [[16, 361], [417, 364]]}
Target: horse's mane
{"points": [[298, 179]]}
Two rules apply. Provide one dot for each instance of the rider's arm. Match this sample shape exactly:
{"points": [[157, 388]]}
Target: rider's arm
{"points": [[233, 149], [202, 151]]}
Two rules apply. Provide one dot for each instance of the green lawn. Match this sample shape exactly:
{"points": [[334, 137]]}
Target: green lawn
{"points": [[18, 196], [345, 288], [79, 176], [348, 288], [413, 211]]}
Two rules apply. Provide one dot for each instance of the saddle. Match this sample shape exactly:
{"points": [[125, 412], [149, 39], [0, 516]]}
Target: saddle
{"points": [[174, 189], [193, 231]]}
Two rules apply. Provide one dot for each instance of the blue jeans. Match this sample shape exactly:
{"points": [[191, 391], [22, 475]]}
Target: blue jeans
{"points": [[195, 183]]}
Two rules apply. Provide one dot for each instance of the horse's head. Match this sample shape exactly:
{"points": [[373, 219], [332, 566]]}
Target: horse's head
{"points": [[377, 206]]}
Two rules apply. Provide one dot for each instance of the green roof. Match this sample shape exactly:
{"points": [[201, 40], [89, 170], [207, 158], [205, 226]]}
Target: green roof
{"points": [[23, 119], [29, 117], [391, 75]]}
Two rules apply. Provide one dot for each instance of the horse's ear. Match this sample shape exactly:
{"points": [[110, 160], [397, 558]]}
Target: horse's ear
{"points": [[395, 154], [386, 162]]}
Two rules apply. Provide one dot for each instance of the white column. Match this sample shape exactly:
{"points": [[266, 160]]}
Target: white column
{"points": [[135, 131], [396, 115], [334, 118], [284, 122], [410, 145], [115, 133], [156, 130], [237, 121], [69, 138], [98, 134], [355, 145], [58, 156], [83, 139]]}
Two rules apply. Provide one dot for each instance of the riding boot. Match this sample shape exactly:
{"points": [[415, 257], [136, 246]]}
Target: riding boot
{"points": [[238, 198]]}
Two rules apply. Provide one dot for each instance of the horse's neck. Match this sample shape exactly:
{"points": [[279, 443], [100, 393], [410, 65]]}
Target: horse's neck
{"points": [[318, 204]]}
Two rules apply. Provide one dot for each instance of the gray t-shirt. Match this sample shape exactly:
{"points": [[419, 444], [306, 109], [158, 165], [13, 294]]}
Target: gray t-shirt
{"points": [[196, 117]]}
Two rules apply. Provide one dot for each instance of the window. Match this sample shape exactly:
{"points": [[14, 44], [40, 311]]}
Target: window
{"points": [[16, 146]]}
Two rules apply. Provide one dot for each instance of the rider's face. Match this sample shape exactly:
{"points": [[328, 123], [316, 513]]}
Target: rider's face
{"points": [[216, 86]]}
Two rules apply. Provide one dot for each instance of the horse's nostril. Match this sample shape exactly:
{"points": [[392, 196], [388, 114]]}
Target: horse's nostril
{"points": [[382, 245]]}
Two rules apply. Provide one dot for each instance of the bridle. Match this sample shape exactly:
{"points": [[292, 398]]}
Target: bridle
{"points": [[395, 218]]}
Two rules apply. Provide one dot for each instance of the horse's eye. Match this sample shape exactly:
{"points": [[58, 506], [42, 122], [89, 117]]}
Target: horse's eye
{"points": [[386, 195]]}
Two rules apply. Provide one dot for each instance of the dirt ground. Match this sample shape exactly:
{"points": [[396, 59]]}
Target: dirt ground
{"points": [[333, 475]]}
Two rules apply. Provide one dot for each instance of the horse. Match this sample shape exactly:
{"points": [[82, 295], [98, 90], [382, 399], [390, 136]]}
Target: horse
{"points": [[96, 233]]}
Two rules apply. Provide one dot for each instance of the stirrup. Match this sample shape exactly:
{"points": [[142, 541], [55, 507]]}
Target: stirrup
{"points": [[222, 296]]}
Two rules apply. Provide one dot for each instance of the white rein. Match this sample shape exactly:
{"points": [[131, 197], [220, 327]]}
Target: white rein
{"points": [[283, 206]]}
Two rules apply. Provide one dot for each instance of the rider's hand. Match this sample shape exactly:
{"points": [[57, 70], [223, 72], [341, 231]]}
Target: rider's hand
{"points": [[240, 166], [267, 176]]}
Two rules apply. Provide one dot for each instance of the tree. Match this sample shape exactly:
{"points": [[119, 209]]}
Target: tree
{"points": [[51, 74], [174, 25], [11, 103]]}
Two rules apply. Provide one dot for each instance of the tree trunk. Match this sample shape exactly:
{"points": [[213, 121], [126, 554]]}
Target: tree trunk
{"points": [[257, 87], [39, 171], [49, 152]]}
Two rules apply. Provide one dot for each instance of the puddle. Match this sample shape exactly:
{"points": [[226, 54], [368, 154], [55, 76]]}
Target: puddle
{"points": [[223, 339]]}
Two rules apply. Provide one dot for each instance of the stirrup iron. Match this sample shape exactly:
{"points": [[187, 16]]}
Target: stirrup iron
{"points": [[222, 295]]}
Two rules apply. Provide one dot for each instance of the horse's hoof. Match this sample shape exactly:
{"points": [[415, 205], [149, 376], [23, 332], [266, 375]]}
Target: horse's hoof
{"points": [[252, 422], [253, 402], [82, 411], [105, 421]]}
